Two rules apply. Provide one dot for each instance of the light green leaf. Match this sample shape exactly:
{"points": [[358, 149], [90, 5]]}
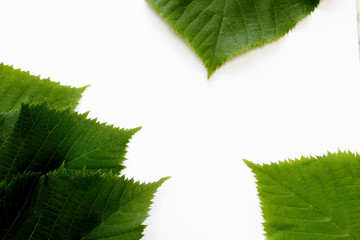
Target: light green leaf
{"points": [[220, 29], [85, 205], [42, 139], [311, 198], [17, 87]]}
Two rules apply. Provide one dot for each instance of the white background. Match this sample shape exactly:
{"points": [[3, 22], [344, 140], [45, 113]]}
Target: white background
{"points": [[297, 96]]}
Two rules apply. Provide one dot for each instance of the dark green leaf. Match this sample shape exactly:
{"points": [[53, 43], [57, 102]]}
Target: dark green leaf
{"points": [[220, 29], [17, 87], [43, 139], [7, 123], [85, 205], [14, 198]]}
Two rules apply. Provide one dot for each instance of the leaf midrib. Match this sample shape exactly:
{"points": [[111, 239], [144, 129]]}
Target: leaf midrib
{"points": [[308, 202], [131, 201]]}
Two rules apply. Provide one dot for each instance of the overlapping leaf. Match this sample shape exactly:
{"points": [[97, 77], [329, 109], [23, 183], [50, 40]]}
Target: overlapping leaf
{"points": [[220, 29], [84, 205], [14, 200], [85, 198], [42, 139], [311, 198], [17, 87]]}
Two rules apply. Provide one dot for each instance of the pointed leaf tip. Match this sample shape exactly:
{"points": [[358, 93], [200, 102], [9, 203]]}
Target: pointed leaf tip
{"points": [[17, 86], [219, 30], [250, 164]]}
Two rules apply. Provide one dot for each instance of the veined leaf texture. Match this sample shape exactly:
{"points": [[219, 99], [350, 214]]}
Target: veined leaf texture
{"points": [[220, 29], [82, 205], [59, 170], [311, 197], [17, 87]]}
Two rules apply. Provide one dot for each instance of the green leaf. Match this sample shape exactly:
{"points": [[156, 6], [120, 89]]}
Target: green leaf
{"points": [[220, 29], [7, 123], [85, 205], [17, 87], [83, 198], [42, 139], [311, 198], [14, 199]]}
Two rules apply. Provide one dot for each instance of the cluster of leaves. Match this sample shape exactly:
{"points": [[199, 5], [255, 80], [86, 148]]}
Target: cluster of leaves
{"points": [[59, 171], [220, 29], [315, 198]]}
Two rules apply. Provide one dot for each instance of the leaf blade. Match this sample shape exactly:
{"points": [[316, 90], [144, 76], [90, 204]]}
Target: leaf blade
{"points": [[310, 198], [218, 30], [14, 200], [73, 204], [17, 87], [44, 138]]}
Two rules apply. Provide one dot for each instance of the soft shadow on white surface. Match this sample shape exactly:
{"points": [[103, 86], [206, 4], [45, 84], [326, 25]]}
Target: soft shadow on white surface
{"points": [[298, 95]]}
